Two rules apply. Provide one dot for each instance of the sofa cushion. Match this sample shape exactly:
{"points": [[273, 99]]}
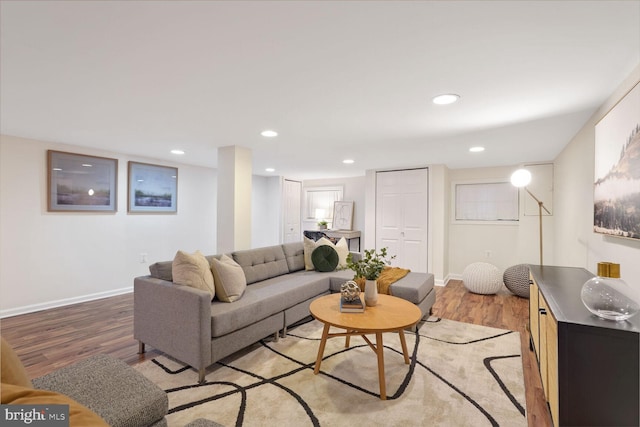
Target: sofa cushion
{"points": [[266, 298], [325, 258], [294, 254], [229, 279], [262, 263], [162, 270], [413, 287], [193, 270]]}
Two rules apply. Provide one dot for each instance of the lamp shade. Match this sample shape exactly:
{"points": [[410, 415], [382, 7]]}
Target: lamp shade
{"points": [[521, 178]]}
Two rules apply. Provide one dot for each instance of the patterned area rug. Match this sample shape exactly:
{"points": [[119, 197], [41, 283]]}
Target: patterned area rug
{"points": [[460, 375]]}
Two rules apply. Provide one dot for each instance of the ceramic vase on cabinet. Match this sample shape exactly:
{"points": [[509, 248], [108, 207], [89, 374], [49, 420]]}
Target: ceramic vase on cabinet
{"points": [[370, 293]]}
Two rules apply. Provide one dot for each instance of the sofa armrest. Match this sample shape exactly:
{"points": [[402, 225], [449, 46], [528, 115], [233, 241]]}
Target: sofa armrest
{"points": [[356, 256], [174, 319]]}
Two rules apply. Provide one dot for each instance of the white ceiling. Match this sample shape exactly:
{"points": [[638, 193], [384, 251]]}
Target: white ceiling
{"points": [[336, 79]]}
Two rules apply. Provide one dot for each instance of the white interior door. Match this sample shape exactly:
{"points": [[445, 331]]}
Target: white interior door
{"points": [[402, 216], [292, 194]]}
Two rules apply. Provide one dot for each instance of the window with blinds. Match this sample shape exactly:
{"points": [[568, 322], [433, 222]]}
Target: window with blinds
{"points": [[493, 201]]}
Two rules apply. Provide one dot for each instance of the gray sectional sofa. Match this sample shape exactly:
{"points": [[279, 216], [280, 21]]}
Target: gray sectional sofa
{"points": [[185, 324]]}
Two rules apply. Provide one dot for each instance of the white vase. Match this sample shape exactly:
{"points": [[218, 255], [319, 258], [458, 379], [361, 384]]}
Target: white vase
{"points": [[370, 293]]}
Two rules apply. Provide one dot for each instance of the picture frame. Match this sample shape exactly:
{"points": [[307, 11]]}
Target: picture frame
{"points": [[152, 189], [342, 216], [616, 193], [81, 183]]}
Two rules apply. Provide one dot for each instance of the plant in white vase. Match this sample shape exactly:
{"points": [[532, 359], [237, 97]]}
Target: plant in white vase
{"points": [[369, 267]]}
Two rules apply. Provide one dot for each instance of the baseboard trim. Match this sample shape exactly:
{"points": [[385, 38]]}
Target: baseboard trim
{"points": [[452, 277], [61, 303]]}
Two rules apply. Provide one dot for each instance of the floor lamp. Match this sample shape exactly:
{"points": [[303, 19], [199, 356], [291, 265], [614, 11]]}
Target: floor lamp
{"points": [[522, 178]]}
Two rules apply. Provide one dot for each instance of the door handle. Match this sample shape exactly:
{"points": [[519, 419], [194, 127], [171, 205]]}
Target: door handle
{"points": [[542, 311]]}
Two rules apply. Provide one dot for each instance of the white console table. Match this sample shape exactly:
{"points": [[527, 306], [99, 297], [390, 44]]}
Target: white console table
{"points": [[349, 235]]}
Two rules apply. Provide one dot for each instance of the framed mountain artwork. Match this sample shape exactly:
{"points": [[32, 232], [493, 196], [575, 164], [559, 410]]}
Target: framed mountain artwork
{"points": [[616, 196]]}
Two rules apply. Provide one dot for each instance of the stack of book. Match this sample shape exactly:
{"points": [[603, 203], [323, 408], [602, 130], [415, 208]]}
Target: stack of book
{"points": [[355, 306]]}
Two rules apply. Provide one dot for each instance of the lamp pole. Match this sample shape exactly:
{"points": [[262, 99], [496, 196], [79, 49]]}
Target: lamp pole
{"points": [[540, 207]]}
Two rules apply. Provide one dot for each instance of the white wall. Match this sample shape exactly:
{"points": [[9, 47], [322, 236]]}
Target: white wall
{"points": [[56, 258], [507, 244], [438, 240], [575, 242], [266, 211]]}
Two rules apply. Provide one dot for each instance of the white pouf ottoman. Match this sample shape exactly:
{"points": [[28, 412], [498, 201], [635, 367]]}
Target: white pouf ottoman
{"points": [[482, 278]]}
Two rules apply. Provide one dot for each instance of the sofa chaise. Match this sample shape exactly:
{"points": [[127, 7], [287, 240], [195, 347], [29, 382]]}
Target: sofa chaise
{"points": [[184, 323]]}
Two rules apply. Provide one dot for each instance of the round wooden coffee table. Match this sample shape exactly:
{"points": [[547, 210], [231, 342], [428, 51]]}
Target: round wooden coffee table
{"points": [[391, 314]]}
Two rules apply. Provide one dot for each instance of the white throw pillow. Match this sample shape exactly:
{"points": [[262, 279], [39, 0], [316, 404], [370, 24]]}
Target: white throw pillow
{"points": [[309, 246], [341, 247], [193, 270], [229, 279]]}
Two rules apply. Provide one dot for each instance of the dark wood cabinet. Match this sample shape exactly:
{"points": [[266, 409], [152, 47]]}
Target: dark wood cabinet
{"points": [[590, 367]]}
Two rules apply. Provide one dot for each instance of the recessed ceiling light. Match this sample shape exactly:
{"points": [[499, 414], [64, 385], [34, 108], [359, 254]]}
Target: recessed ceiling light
{"points": [[269, 133], [270, 170], [447, 98], [476, 149], [177, 152], [348, 161]]}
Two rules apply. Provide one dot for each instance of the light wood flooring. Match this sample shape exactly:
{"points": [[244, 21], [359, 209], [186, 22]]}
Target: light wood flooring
{"points": [[50, 339]]}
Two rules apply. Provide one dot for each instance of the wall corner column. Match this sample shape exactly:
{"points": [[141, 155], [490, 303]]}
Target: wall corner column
{"points": [[234, 199]]}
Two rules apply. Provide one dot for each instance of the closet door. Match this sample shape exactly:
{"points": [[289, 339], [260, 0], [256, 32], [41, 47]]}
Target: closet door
{"points": [[292, 193], [402, 216]]}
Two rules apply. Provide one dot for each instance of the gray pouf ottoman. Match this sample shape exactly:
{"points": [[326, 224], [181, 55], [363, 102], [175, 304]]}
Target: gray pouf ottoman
{"points": [[482, 278], [516, 279], [122, 396]]}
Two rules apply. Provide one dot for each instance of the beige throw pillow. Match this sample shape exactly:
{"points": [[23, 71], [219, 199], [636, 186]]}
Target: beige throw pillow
{"points": [[229, 279], [193, 270]]}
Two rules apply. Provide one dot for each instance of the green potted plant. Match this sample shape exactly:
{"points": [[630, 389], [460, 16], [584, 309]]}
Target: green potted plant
{"points": [[369, 267], [322, 225]]}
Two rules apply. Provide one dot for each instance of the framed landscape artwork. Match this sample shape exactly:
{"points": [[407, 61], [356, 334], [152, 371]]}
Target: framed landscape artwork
{"points": [[78, 182], [152, 188], [616, 196]]}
